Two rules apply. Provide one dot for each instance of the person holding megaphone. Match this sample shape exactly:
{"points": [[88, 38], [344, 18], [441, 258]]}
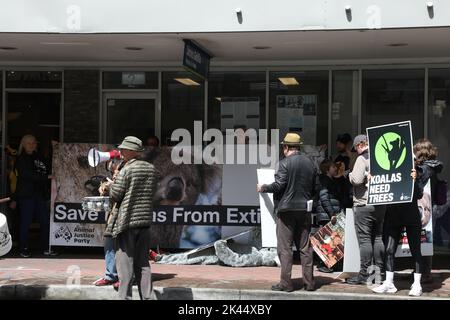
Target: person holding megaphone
{"points": [[111, 277]]}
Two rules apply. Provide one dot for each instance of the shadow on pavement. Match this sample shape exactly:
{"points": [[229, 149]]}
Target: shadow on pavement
{"points": [[174, 293], [320, 281], [162, 276], [22, 292]]}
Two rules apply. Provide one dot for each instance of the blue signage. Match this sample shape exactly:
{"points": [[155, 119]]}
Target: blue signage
{"points": [[196, 59]]}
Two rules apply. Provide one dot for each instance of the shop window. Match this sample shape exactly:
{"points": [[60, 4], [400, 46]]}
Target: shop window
{"points": [[129, 114], [237, 100], [344, 105], [182, 102], [299, 103], [2, 191], [439, 135], [34, 79], [392, 96], [130, 80]]}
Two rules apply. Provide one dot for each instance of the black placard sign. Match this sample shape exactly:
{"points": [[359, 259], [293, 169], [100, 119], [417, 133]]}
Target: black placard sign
{"points": [[391, 162]]}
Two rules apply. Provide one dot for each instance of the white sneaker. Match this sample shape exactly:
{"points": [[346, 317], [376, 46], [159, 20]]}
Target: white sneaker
{"points": [[416, 291], [386, 287]]}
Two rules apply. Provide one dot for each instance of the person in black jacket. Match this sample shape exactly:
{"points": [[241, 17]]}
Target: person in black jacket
{"points": [[345, 161], [426, 154], [408, 215], [294, 186], [32, 179], [328, 205]]}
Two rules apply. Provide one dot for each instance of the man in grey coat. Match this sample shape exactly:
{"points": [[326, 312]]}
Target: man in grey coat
{"points": [[368, 219], [133, 189]]}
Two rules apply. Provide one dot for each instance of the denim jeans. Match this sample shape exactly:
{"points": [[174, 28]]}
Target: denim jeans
{"points": [[110, 260], [28, 207]]}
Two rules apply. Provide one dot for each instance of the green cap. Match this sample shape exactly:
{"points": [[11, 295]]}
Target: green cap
{"points": [[131, 143]]}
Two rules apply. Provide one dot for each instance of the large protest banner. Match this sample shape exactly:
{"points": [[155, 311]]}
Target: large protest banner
{"points": [[196, 219], [391, 162]]}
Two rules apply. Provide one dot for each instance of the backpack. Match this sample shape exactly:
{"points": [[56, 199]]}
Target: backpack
{"points": [[440, 192]]}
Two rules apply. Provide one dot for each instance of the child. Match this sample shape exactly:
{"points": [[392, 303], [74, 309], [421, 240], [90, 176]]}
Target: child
{"points": [[329, 205]]}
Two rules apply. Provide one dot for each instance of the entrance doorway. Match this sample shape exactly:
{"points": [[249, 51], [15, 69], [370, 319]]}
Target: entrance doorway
{"points": [[33, 113], [38, 114], [129, 114]]}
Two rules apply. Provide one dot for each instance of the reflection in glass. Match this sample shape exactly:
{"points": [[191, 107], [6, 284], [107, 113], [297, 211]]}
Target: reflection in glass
{"points": [[390, 96]]}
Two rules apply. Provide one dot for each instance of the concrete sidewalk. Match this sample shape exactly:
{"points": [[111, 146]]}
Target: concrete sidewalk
{"points": [[71, 277]]}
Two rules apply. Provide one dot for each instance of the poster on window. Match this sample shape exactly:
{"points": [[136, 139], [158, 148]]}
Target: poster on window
{"points": [[193, 219], [298, 113], [239, 112], [426, 237]]}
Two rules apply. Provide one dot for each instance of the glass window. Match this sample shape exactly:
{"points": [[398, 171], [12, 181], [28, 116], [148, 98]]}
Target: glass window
{"points": [[130, 80], [37, 114], [237, 100], [439, 135], [439, 114], [34, 79], [344, 105], [182, 103], [390, 96], [299, 102], [129, 115], [9, 155]]}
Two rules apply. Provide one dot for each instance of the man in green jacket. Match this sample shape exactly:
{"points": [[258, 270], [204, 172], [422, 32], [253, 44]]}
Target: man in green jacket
{"points": [[133, 189]]}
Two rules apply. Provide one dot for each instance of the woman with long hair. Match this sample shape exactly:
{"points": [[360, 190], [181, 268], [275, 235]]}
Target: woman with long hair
{"points": [[426, 154], [407, 215], [32, 178]]}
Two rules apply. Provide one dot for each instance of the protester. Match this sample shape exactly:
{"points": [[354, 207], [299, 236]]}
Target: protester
{"points": [[328, 204], [345, 153], [368, 218], [294, 186], [152, 141], [133, 189], [110, 277], [407, 215], [31, 193], [345, 161], [426, 153]]}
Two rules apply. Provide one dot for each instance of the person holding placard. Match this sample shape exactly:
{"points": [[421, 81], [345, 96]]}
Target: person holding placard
{"points": [[294, 185], [368, 218], [408, 215]]}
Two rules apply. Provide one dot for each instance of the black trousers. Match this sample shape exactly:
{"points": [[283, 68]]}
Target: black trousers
{"points": [[290, 226], [392, 238]]}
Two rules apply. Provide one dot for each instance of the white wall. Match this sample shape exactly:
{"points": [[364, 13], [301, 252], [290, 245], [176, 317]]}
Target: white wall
{"points": [[87, 16]]}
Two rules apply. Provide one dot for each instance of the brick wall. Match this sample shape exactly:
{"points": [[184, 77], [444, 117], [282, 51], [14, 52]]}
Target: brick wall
{"points": [[81, 105]]}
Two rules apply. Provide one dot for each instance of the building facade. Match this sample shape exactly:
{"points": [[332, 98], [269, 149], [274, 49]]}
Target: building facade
{"points": [[95, 71]]}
